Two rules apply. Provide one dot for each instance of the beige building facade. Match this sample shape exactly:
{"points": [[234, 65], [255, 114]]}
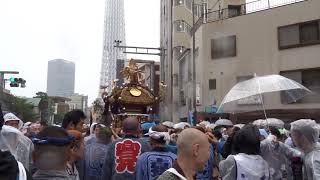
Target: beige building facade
{"points": [[78, 101], [237, 41]]}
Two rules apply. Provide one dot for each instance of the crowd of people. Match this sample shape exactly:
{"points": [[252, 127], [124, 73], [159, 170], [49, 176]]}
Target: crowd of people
{"points": [[163, 151]]}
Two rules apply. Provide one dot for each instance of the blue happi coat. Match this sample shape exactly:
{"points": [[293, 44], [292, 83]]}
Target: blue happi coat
{"points": [[95, 157], [207, 173], [152, 164], [122, 157]]}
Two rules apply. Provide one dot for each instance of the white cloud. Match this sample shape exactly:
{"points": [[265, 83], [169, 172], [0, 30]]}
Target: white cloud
{"points": [[35, 31]]}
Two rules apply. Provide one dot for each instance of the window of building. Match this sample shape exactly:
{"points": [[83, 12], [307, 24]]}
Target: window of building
{"points": [[189, 4], [178, 2], [212, 84], [175, 80], [223, 47], [234, 10], [197, 10], [309, 32], [179, 25], [288, 36], [307, 77], [182, 26], [182, 98], [178, 50], [298, 35], [186, 3]]}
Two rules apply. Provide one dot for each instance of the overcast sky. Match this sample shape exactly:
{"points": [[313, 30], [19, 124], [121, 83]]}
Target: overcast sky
{"points": [[32, 32]]}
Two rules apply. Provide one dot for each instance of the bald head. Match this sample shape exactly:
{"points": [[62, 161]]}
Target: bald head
{"points": [[131, 126], [188, 138], [193, 148]]}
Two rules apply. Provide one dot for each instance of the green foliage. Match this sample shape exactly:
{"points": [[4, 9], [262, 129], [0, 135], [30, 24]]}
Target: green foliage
{"points": [[97, 105], [20, 107]]}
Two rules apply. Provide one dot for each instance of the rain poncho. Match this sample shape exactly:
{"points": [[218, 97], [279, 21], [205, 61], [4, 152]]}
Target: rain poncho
{"points": [[311, 160], [289, 142], [312, 164], [309, 128], [243, 166], [19, 145], [12, 117], [278, 156]]}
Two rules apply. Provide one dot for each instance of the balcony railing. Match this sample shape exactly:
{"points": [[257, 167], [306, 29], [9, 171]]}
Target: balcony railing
{"points": [[243, 9]]}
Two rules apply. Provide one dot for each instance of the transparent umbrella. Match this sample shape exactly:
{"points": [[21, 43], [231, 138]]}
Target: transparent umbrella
{"points": [[224, 122], [275, 122], [259, 85], [261, 123], [239, 125]]}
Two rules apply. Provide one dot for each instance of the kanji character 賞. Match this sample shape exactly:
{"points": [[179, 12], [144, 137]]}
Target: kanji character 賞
{"points": [[127, 153]]}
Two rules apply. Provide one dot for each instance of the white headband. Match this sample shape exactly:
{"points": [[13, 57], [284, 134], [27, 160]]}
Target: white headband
{"points": [[158, 135]]}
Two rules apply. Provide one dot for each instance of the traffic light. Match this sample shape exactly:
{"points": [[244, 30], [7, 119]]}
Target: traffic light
{"points": [[14, 82], [23, 83]]}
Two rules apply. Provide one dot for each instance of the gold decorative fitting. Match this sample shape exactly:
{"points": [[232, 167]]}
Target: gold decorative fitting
{"points": [[135, 92]]}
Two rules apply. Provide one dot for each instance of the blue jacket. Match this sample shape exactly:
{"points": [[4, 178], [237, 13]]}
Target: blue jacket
{"points": [[208, 171], [172, 148], [152, 164], [95, 157]]}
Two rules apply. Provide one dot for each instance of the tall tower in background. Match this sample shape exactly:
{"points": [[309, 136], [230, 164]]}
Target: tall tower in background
{"points": [[61, 77], [114, 30]]}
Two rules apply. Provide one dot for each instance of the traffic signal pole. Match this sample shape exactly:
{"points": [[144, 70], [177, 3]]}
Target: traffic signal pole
{"points": [[3, 81]]}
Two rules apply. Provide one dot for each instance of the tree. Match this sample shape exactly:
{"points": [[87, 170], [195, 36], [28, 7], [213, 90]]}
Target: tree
{"points": [[97, 105], [22, 109], [45, 106]]}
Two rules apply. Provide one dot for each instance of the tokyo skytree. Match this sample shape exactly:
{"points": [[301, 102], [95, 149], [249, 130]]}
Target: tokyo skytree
{"points": [[114, 30]]}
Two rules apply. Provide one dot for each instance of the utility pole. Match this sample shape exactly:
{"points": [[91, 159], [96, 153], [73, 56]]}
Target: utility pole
{"points": [[194, 65]]}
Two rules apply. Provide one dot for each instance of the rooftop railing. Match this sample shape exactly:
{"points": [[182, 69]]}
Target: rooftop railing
{"points": [[243, 9]]}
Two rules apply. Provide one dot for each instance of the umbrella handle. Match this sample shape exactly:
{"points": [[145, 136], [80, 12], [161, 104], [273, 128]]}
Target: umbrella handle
{"points": [[262, 103]]}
